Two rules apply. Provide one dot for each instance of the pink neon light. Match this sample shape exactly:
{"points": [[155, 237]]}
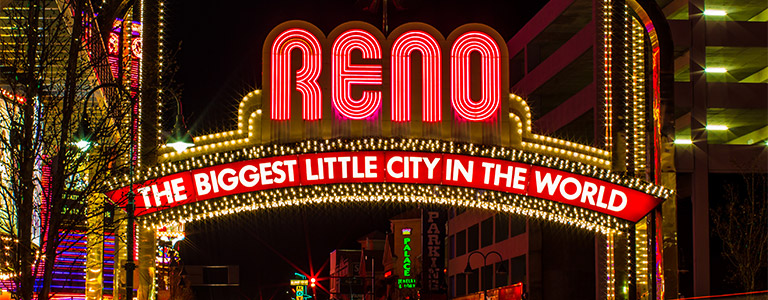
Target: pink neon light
{"points": [[431, 93], [345, 74], [490, 99], [306, 77]]}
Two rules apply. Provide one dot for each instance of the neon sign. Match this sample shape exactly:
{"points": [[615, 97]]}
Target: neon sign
{"points": [[406, 252], [406, 281], [369, 74], [390, 167]]}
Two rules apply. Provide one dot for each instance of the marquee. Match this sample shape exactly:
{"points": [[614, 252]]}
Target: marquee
{"points": [[391, 167], [348, 111]]}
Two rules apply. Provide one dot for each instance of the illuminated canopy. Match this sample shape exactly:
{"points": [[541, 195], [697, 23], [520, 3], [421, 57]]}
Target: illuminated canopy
{"points": [[356, 126]]}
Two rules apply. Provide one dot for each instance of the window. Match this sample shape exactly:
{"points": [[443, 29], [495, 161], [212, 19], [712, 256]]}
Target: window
{"points": [[487, 278], [473, 282], [461, 284], [502, 227], [486, 237], [452, 285], [452, 246], [517, 269], [501, 279], [461, 243], [473, 237], [518, 226]]}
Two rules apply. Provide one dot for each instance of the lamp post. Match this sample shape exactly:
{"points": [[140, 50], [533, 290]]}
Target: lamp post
{"points": [[500, 270], [179, 139]]}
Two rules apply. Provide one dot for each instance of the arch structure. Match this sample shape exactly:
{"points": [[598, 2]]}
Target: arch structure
{"points": [[359, 125]]}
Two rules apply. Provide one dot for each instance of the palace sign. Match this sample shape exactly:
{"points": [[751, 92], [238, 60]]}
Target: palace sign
{"points": [[390, 167]]}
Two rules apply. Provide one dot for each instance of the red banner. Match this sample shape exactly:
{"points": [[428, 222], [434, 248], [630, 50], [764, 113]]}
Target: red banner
{"points": [[389, 166]]}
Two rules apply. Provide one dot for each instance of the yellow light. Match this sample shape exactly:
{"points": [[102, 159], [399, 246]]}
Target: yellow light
{"points": [[714, 12], [715, 70], [717, 127], [683, 142]]}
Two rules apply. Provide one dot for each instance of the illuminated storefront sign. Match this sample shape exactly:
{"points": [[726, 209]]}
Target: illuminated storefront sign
{"points": [[433, 262], [300, 287], [406, 252], [390, 167], [361, 90], [406, 283]]}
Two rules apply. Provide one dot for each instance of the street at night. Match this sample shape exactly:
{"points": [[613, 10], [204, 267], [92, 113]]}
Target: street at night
{"points": [[384, 150]]}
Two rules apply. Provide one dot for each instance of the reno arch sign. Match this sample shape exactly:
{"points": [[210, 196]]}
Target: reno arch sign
{"points": [[414, 83], [414, 76]]}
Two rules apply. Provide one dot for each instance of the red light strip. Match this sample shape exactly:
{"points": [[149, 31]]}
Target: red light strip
{"points": [[431, 93], [306, 77], [724, 295], [345, 74], [490, 99]]}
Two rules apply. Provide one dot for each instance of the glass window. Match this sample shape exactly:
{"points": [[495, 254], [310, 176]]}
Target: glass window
{"points": [[501, 279], [473, 237], [487, 278], [461, 243], [486, 227], [473, 282], [461, 284], [517, 269], [452, 246], [502, 227]]}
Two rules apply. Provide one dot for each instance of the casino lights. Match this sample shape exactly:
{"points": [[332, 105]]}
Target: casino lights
{"points": [[607, 72], [249, 130], [490, 57], [345, 74], [431, 83], [387, 192]]}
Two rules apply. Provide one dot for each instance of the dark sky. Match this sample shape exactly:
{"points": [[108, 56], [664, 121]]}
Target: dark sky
{"points": [[220, 51], [218, 61]]}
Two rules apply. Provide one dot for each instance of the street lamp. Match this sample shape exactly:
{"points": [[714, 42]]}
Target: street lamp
{"points": [[501, 270], [84, 133], [179, 139]]}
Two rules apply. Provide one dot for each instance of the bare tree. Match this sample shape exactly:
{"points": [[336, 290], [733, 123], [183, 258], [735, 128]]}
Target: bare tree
{"points": [[742, 225], [52, 52]]}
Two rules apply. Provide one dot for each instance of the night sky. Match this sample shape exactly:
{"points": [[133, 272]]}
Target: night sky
{"points": [[215, 49]]}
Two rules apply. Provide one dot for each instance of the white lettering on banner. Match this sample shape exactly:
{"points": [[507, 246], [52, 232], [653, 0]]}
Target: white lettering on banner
{"points": [[370, 166], [383, 166], [247, 176], [173, 191], [452, 173], [203, 184], [551, 186], [252, 179], [620, 194], [178, 189], [513, 177], [570, 188], [431, 166], [391, 163], [329, 161], [229, 183], [410, 165], [325, 167]]}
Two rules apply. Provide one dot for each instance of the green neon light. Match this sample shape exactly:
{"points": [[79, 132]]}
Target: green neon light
{"points": [[406, 257]]}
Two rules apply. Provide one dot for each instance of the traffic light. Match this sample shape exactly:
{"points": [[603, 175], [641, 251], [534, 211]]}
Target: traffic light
{"points": [[312, 282]]}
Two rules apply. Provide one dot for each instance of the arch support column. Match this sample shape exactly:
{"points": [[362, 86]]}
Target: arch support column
{"points": [[94, 259], [147, 248]]}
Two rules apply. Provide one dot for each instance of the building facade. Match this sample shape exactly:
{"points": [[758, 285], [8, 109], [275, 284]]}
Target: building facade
{"points": [[706, 66]]}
